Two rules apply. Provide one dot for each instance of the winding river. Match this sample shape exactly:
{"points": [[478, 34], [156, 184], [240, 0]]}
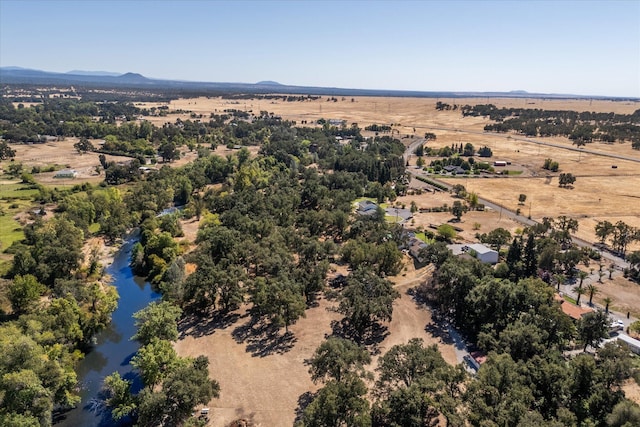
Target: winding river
{"points": [[114, 348]]}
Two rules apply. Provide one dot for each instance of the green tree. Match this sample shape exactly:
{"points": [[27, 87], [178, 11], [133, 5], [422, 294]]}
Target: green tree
{"points": [[24, 293], [496, 238], [592, 328], [119, 398], [6, 152], [566, 179], [84, 145], [446, 232], [157, 321], [501, 394], [154, 361], [187, 386], [579, 291], [458, 209], [281, 301], [592, 290], [522, 198], [22, 392], [603, 230], [624, 414], [366, 299], [336, 358], [168, 151], [405, 364], [338, 404], [582, 275]]}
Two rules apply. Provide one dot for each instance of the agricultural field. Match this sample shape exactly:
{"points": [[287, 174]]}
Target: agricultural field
{"points": [[253, 366], [600, 192]]}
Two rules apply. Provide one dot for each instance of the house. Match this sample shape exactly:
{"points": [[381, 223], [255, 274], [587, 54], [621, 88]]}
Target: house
{"points": [[367, 207], [632, 343], [415, 246], [477, 250], [574, 311], [66, 173], [454, 169], [499, 163]]}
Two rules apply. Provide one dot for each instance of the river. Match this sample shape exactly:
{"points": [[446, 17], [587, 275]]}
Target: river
{"points": [[114, 348]]}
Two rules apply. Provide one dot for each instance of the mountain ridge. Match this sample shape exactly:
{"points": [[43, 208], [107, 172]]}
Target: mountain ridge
{"points": [[19, 75]]}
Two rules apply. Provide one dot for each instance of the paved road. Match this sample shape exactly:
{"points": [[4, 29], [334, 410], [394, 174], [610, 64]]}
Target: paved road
{"points": [[567, 289], [545, 143]]}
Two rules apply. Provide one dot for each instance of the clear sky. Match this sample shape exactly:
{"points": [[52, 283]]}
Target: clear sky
{"points": [[574, 47]]}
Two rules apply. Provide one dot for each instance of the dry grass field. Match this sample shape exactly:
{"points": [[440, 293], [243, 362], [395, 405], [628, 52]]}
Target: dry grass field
{"points": [[263, 377], [600, 192]]}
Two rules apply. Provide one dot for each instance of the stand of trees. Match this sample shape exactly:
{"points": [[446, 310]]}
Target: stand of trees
{"points": [[270, 227], [511, 314], [582, 128]]}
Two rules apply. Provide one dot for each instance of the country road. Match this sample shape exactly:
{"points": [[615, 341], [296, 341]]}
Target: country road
{"points": [[567, 289], [535, 141]]}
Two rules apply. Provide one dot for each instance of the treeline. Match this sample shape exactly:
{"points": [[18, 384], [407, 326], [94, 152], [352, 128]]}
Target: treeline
{"points": [[173, 385], [620, 235], [511, 314], [270, 97], [581, 127], [58, 303]]}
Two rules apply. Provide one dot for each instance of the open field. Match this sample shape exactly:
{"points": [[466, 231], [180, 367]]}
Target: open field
{"points": [[253, 367], [14, 199], [600, 192]]}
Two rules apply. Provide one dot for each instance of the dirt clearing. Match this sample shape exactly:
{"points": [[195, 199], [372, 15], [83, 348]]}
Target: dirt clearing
{"points": [[262, 377]]}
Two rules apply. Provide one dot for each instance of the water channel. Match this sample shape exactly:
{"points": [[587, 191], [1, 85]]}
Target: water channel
{"points": [[114, 348]]}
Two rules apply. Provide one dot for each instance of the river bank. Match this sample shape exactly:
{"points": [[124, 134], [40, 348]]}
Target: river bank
{"points": [[114, 348]]}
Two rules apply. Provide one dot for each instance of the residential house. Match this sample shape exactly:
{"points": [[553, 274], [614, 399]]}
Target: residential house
{"points": [[477, 250], [66, 173]]}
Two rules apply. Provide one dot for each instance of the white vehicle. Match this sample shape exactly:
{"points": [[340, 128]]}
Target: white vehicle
{"points": [[616, 325]]}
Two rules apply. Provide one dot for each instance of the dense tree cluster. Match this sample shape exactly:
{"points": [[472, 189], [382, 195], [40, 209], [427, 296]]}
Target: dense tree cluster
{"points": [[511, 314], [58, 305], [173, 385], [580, 127]]}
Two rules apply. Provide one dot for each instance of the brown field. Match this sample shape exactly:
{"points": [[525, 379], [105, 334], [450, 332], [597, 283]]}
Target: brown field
{"points": [[600, 192], [262, 377]]}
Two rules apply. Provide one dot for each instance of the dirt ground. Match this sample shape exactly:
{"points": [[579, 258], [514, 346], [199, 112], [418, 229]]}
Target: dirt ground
{"points": [[62, 155], [254, 367], [632, 390], [600, 192]]}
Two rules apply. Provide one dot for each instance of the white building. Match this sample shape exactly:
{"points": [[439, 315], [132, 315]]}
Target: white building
{"points": [[481, 252], [632, 343], [66, 173]]}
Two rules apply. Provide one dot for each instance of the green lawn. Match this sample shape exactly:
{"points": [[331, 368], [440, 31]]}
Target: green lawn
{"points": [[14, 198], [424, 238], [371, 199]]}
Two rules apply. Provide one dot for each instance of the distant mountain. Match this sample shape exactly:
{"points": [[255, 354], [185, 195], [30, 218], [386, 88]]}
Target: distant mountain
{"points": [[99, 79], [93, 73], [133, 78], [269, 83]]}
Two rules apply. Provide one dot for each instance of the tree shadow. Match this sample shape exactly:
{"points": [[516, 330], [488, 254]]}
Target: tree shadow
{"points": [[303, 401], [197, 326], [263, 339], [371, 338], [440, 330]]}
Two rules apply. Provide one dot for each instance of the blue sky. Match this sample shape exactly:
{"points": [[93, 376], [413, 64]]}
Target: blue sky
{"points": [[577, 47]]}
